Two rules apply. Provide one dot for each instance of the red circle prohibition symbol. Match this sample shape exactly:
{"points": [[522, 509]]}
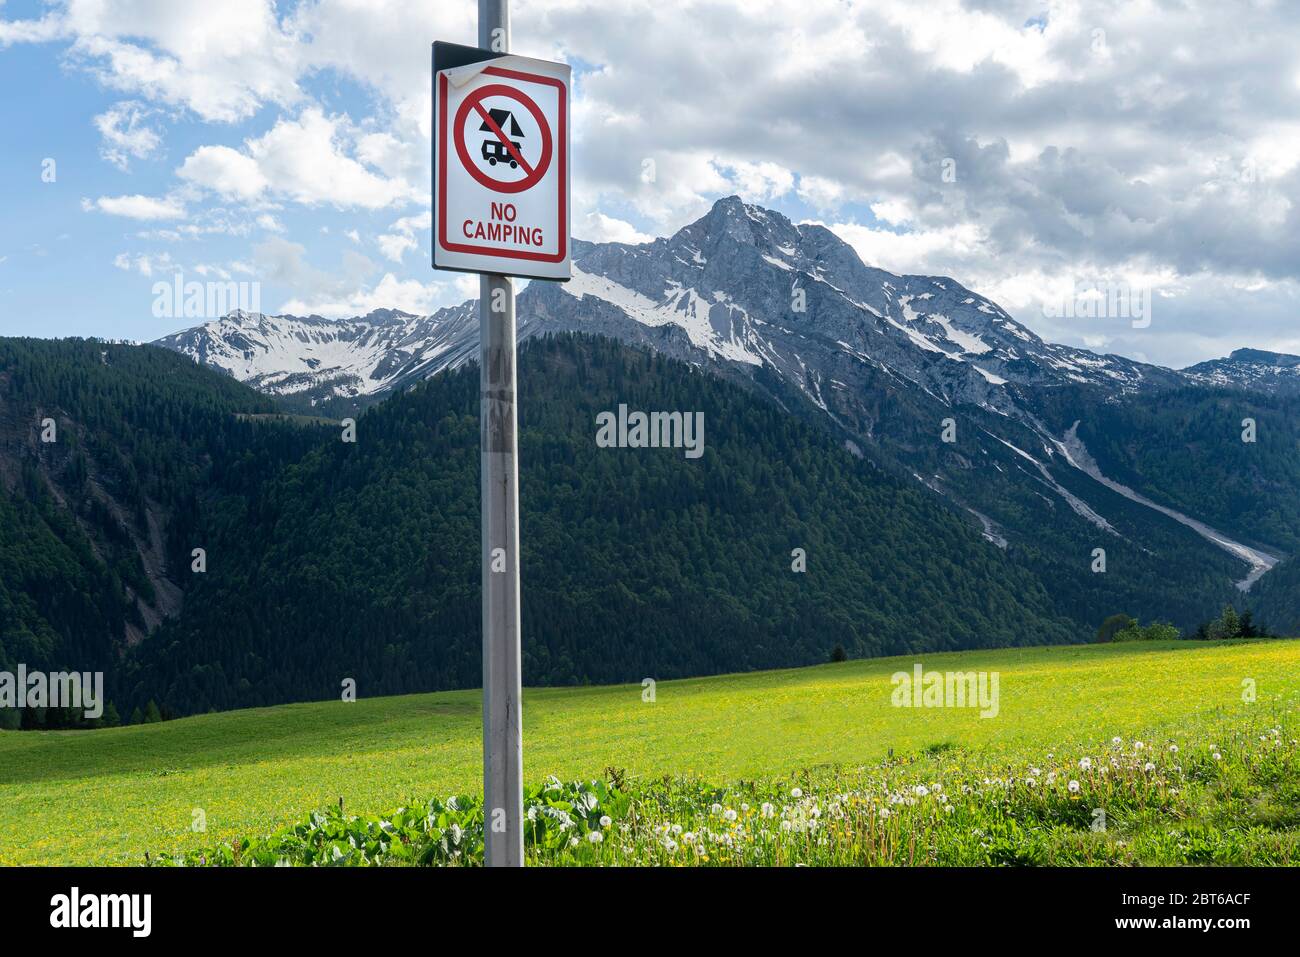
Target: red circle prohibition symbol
{"points": [[474, 102]]}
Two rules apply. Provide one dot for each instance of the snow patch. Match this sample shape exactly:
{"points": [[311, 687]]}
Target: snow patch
{"points": [[684, 307]]}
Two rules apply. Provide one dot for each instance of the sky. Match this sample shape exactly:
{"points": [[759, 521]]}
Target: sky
{"points": [[1030, 150]]}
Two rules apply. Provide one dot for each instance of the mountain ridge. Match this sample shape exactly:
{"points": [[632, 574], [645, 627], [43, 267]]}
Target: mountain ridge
{"points": [[1277, 373], [729, 226], [791, 310]]}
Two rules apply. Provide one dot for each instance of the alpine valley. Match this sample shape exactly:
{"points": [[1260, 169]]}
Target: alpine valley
{"points": [[950, 479]]}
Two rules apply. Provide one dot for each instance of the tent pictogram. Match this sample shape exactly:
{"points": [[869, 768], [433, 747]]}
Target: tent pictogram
{"points": [[501, 146], [496, 150]]}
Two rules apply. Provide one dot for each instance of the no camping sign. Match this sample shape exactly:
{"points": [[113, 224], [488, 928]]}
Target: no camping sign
{"points": [[501, 164]]}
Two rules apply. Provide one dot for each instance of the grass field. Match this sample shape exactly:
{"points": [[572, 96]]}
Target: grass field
{"points": [[106, 797]]}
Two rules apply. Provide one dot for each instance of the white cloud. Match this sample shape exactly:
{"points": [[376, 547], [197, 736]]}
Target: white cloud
{"points": [[895, 212], [304, 160], [222, 67], [821, 193], [930, 252], [599, 228], [225, 171], [402, 238], [758, 182], [136, 207], [952, 37], [125, 135], [405, 158], [348, 289], [408, 295], [48, 27], [395, 246], [205, 270], [144, 264]]}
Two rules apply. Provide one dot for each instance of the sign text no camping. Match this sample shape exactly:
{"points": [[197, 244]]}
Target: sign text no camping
{"points": [[501, 166]]}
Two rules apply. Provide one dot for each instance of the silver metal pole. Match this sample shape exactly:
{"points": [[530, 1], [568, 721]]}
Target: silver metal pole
{"points": [[503, 756]]}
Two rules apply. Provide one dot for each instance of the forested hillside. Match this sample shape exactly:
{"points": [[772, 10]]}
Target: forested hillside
{"points": [[362, 561], [1187, 448], [1276, 599], [326, 560], [106, 452], [999, 470]]}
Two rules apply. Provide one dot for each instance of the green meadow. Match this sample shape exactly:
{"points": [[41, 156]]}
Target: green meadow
{"points": [[108, 796]]}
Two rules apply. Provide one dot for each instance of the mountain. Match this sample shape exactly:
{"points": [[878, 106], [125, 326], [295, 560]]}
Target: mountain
{"points": [[746, 285], [725, 288], [361, 560], [324, 559], [884, 362], [962, 482], [317, 363], [1254, 369]]}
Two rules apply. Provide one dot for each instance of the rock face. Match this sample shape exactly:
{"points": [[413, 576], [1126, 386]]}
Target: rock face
{"points": [[744, 286]]}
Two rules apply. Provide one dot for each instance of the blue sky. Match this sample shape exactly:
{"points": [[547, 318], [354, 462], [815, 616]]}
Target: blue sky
{"points": [[1093, 143], [58, 276]]}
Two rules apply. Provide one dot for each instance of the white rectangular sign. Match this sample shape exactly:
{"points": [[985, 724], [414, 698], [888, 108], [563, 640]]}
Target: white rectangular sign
{"points": [[501, 168]]}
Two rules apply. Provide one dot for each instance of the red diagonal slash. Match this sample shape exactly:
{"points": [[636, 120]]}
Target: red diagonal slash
{"points": [[514, 153]]}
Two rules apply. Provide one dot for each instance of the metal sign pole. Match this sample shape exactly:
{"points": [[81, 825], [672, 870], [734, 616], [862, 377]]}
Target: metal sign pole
{"points": [[503, 760]]}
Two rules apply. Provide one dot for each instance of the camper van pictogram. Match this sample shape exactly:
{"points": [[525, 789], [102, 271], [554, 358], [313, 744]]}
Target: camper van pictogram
{"points": [[494, 150]]}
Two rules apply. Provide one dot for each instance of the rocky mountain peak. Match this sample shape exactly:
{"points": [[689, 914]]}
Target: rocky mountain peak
{"points": [[742, 286], [1261, 357]]}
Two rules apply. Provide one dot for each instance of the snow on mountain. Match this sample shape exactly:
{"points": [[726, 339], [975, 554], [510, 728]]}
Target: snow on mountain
{"points": [[315, 358], [743, 285], [747, 285], [1274, 372]]}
